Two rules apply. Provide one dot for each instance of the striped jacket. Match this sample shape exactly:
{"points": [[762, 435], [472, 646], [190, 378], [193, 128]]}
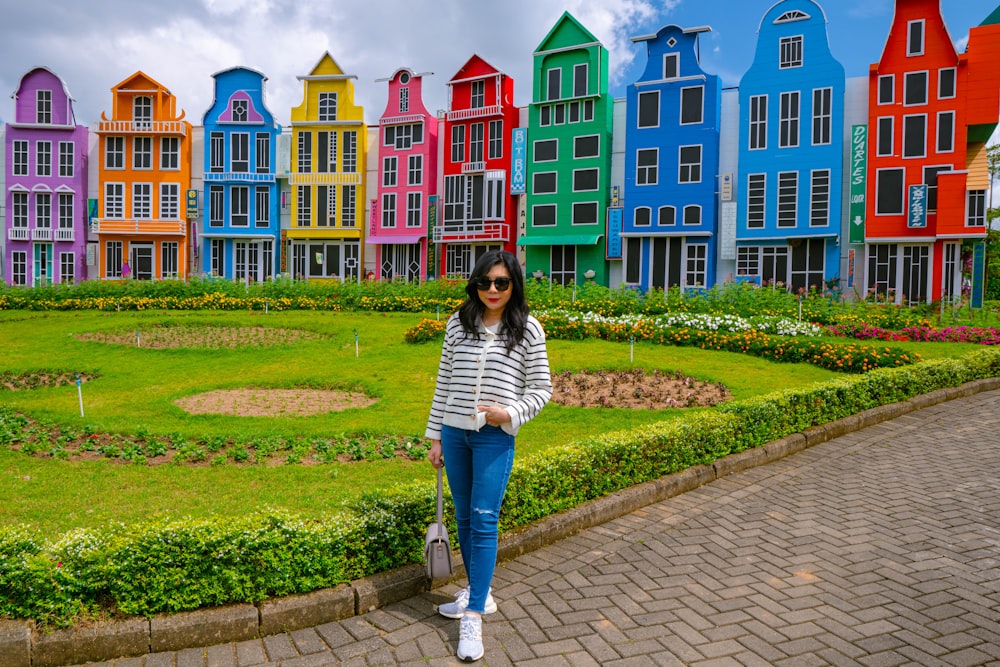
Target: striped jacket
{"points": [[475, 372]]}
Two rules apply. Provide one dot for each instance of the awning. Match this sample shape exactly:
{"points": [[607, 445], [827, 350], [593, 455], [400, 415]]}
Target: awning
{"points": [[561, 239], [400, 239]]}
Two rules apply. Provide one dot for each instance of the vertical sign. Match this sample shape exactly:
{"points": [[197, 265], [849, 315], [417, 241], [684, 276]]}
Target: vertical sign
{"points": [[615, 196], [373, 216], [192, 203], [91, 211], [614, 246], [918, 207], [978, 275], [726, 187], [859, 171], [431, 223], [851, 259], [518, 161], [283, 257], [727, 230]]}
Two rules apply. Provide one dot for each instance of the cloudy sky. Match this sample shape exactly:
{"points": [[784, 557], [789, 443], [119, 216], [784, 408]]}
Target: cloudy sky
{"points": [[95, 44]]}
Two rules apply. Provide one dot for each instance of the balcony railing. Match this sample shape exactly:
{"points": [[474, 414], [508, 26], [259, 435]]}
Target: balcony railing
{"points": [[142, 127], [237, 177], [473, 167], [65, 234], [471, 231], [17, 234], [41, 234], [480, 112], [351, 178], [145, 227]]}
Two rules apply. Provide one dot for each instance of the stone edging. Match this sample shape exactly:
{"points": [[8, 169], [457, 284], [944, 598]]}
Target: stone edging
{"points": [[21, 645]]}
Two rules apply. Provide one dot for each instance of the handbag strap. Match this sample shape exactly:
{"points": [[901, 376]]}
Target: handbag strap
{"points": [[440, 501]]}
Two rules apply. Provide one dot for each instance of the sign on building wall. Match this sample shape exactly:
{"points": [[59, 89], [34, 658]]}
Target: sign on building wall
{"points": [[192, 203], [859, 170], [978, 275], [726, 187], [727, 231], [518, 162], [918, 207], [851, 260], [92, 212], [616, 217], [372, 216], [432, 216]]}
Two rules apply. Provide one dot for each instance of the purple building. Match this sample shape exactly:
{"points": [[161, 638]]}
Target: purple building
{"points": [[46, 185]]}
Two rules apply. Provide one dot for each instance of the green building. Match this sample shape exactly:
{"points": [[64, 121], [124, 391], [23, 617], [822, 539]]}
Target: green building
{"points": [[568, 157]]}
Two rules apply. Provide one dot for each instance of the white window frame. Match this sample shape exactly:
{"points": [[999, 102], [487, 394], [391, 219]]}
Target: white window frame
{"points": [[239, 206], [685, 170], [910, 50], [114, 201], [822, 118], [388, 210], [414, 209], [648, 216], [951, 135], [170, 153], [954, 83], [819, 197], [756, 200], [415, 170], [262, 206], [43, 158], [142, 201], [701, 114], [597, 183], [922, 117], [390, 171], [902, 194], [21, 162], [170, 201], [597, 213], [647, 174], [891, 78], [881, 131], [788, 200], [67, 158], [142, 153], [643, 96], [758, 123], [676, 58], [791, 51]]}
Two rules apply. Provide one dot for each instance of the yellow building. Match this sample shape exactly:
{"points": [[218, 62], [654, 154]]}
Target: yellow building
{"points": [[329, 138], [145, 173]]}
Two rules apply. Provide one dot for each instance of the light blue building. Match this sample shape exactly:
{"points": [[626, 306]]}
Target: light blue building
{"points": [[670, 212], [789, 186], [240, 228]]}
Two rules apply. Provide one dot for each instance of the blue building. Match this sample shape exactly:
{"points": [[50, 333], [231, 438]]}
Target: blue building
{"points": [[671, 164], [791, 152], [240, 228]]}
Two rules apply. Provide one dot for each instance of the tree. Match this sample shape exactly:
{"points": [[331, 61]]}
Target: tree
{"points": [[993, 164]]}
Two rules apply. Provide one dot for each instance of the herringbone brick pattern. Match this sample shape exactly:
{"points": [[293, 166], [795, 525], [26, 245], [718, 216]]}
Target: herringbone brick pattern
{"points": [[879, 548]]}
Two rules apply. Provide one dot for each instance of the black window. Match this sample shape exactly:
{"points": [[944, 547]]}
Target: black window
{"points": [[889, 191], [886, 86], [692, 105], [649, 109], [642, 216], [915, 88], [946, 131], [667, 215], [946, 83], [543, 216], [585, 179], [633, 257], [914, 136], [545, 151], [588, 146], [885, 139], [544, 183]]}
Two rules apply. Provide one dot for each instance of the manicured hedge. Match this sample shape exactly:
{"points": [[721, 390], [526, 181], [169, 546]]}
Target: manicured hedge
{"points": [[163, 566]]}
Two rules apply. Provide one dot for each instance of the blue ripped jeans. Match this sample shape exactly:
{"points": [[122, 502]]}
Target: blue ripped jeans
{"points": [[478, 465]]}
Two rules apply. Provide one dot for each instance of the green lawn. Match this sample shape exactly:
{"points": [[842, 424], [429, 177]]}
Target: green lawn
{"points": [[137, 388]]}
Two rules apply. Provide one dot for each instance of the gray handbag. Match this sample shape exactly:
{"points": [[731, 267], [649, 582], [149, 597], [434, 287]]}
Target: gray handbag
{"points": [[437, 551]]}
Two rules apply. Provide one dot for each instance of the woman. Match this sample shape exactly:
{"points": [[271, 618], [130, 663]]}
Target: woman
{"points": [[493, 377]]}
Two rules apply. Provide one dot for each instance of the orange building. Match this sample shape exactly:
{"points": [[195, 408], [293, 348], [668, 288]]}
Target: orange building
{"points": [[145, 173], [931, 111]]}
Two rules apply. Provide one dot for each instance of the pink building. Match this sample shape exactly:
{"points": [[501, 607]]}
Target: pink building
{"points": [[406, 206]]}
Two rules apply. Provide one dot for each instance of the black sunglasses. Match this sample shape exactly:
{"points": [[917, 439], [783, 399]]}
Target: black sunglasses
{"points": [[483, 283]]}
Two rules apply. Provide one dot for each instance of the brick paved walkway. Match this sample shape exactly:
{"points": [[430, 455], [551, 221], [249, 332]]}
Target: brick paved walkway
{"points": [[879, 548]]}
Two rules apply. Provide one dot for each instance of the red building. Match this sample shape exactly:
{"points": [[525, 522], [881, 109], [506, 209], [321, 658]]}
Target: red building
{"points": [[478, 212], [931, 111]]}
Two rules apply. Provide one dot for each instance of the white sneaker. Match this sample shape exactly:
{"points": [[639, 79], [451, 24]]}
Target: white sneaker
{"points": [[457, 608], [470, 638]]}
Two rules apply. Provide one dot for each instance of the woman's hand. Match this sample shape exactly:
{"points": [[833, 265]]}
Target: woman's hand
{"points": [[495, 415], [434, 456]]}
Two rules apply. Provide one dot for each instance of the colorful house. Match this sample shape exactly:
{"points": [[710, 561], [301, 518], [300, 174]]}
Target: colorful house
{"points": [[569, 157], [478, 212], [671, 163], [45, 190], [931, 111], [791, 148], [144, 176], [407, 184], [329, 140], [241, 226]]}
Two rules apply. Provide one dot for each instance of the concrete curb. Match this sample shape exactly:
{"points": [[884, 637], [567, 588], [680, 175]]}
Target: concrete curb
{"points": [[23, 645]]}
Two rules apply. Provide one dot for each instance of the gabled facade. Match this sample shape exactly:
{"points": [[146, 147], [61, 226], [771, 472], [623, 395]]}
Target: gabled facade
{"points": [[144, 176], [478, 212], [329, 141], [240, 228], [931, 111], [790, 179], [45, 185], [407, 181], [569, 157], [671, 162]]}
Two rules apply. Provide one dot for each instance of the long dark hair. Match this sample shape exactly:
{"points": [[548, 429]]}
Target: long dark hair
{"points": [[515, 314]]}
